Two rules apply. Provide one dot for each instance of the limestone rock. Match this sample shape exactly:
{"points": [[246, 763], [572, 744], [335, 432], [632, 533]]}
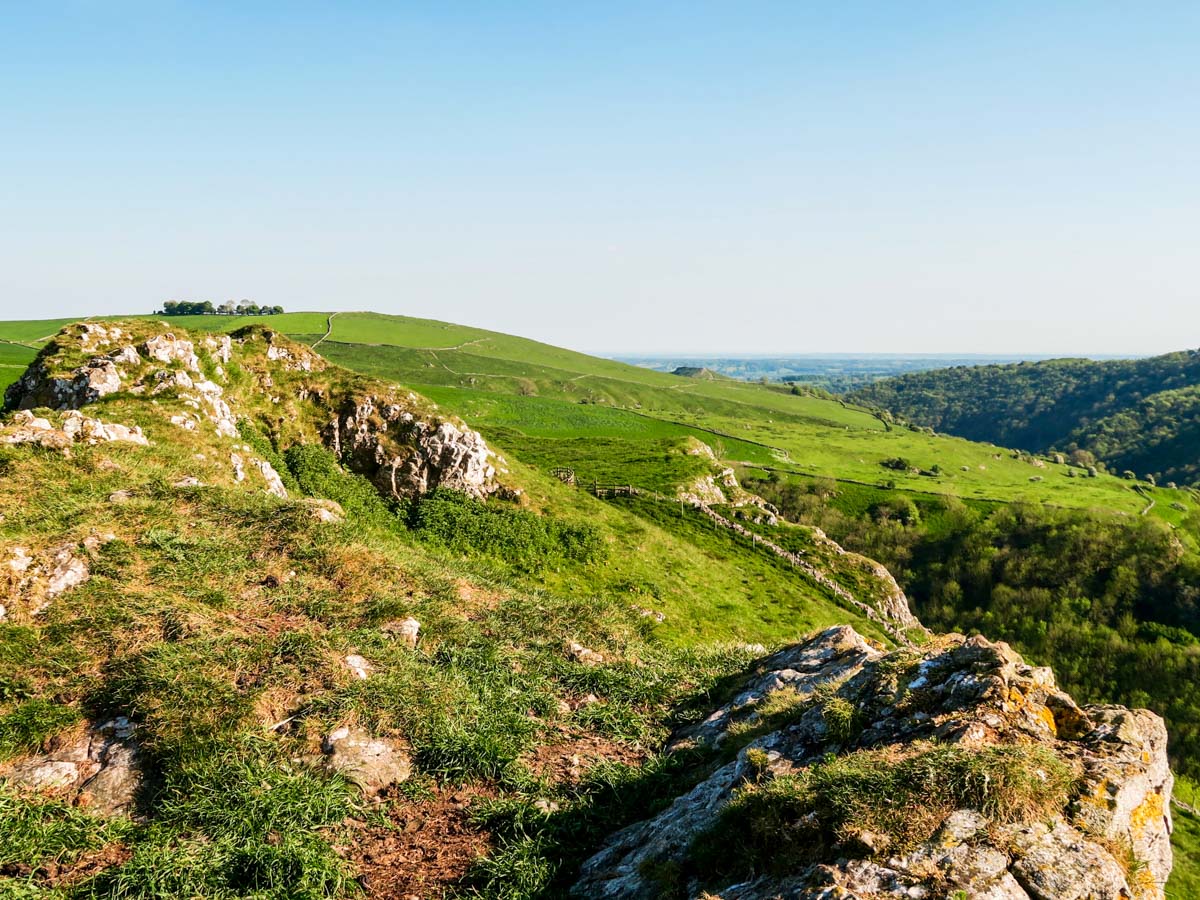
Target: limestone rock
{"points": [[584, 655], [327, 511], [406, 456], [957, 691], [407, 631], [69, 571], [274, 482], [221, 347], [373, 764], [99, 770], [359, 666], [25, 428], [166, 348]]}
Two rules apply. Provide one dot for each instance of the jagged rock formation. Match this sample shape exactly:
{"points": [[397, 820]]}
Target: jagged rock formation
{"points": [[26, 428], [1103, 831], [406, 456]]}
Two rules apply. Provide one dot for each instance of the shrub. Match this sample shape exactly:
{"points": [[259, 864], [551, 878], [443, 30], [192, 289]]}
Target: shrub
{"points": [[262, 445], [318, 474], [526, 540]]}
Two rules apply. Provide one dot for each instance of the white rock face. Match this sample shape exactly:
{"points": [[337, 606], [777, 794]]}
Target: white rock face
{"points": [[274, 482], [86, 384], [76, 429], [69, 571], [221, 347], [359, 666], [972, 694], [166, 348], [405, 456]]}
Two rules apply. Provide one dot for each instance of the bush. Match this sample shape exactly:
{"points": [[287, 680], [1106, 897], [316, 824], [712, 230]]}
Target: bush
{"points": [[318, 474], [526, 540], [262, 445]]}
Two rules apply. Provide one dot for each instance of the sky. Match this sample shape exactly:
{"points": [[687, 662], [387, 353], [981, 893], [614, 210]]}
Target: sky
{"points": [[693, 177]]}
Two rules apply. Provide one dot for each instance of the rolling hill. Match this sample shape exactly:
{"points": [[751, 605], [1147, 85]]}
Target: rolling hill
{"points": [[229, 620], [1138, 415]]}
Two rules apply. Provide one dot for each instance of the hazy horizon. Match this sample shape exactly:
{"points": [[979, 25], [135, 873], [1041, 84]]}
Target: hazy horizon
{"points": [[938, 179]]}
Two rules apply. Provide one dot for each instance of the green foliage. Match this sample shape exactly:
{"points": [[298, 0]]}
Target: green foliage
{"points": [[1184, 882], [318, 474], [35, 833], [1113, 604], [263, 446], [1139, 415], [525, 540]]}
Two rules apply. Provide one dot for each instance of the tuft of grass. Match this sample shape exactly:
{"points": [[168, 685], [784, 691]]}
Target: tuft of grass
{"points": [[26, 728], [900, 795]]}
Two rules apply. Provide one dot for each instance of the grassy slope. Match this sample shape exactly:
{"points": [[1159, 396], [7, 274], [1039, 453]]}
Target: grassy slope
{"points": [[707, 588]]}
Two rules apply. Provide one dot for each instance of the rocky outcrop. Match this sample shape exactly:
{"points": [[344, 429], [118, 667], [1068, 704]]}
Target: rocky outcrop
{"points": [[406, 456], [390, 437], [30, 581], [1103, 831], [99, 770], [76, 428]]}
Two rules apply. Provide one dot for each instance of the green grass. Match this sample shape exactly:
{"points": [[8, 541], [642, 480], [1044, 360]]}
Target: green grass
{"points": [[218, 610], [899, 796], [1184, 882]]}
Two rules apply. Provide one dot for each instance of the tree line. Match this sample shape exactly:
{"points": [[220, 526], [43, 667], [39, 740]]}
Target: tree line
{"points": [[207, 308]]}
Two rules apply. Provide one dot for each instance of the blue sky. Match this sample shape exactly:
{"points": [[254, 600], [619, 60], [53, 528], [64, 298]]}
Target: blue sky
{"points": [[695, 177]]}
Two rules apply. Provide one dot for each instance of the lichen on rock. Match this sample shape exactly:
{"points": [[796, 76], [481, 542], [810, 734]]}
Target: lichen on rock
{"points": [[1018, 793]]}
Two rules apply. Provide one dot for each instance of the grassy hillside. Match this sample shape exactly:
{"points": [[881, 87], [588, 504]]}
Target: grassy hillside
{"points": [[220, 619], [1139, 415], [544, 408]]}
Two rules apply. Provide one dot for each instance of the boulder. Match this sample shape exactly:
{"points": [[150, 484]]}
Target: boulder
{"points": [[373, 764], [25, 428], [837, 696], [100, 769]]}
